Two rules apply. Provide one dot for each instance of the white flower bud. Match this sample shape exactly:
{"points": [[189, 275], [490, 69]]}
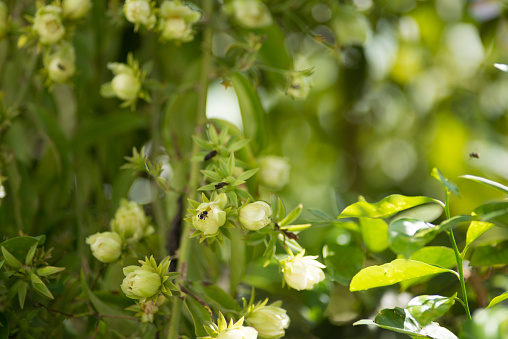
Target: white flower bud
{"points": [[48, 24], [75, 9], [240, 332], [106, 246], [298, 86], [210, 215], [140, 12], [126, 86], [177, 20], [61, 65], [255, 216], [4, 20], [2, 191], [251, 13], [269, 321], [131, 222], [140, 282], [273, 172], [302, 273]]}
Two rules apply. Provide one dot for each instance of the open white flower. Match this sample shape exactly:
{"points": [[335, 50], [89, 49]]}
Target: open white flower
{"points": [[48, 24], [255, 216], [302, 272], [210, 215], [61, 64]]}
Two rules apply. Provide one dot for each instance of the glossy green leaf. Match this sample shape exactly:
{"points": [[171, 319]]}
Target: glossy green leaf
{"points": [[498, 299], [400, 320], [476, 229], [485, 181], [427, 212], [384, 208], [495, 212], [433, 255], [22, 289], [10, 259], [49, 270], [454, 222], [39, 286], [296, 228], [490, 255], [409, 235], [425, 308], [446, 182], [292, 216], [19, 246], [392, 273], [200, 315], [374, 234], [343, 261]]}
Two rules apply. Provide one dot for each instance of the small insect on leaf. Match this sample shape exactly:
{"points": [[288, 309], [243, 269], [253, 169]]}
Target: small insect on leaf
{"points": [[474, 155], [210, 155]]}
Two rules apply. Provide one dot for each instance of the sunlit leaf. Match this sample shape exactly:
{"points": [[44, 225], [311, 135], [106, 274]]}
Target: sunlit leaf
{"points": [[384, 208], [374, 234], [485, 181], [409, 235], [446, 182], [392, 273], [433, 255], [425, 308], [498, 299], [495, 212], [490, 255], [343, 261], [476, 229]]}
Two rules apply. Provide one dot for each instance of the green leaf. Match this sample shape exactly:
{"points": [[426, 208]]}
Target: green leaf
{"points": [[425, 308], [490, 255], [384, 208], [19, 246], [476, 229], [485, 181], [269, 251], [30, 255], [1, 263], [292, 216], [223, 135], [498, 299], [446, 183], [238, 145], [427, 212], [4, 327], [231, 164], [23, 287], [251, 109], [392, 273], [49, 270], [216, 297], [10, 259], [238, 265], [39, 286], [212, 175], [454, 222], [296, 228], [343, 262], [495, 212], [400, 320], [374, 234], [433, 255], [409, 235], [247, 174], [281, 210], [212, 134], [200, 315]]}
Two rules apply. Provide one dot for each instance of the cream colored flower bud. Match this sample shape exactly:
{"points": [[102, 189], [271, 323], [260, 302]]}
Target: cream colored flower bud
{"points": [[302, 273], [298, 86], [210, 215], [61, 65], [273, 172], [140, 12], [131, 222], [177, 20], [269, 321], [240, 332], [251, 13], [75, 9], [4, 20], [126, 86], [48, 24], [106, 246], [255, 216], [140, 282]]}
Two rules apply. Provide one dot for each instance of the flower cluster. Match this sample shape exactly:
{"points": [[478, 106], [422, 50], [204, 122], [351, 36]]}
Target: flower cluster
{"points": [[129, 225], [127, 83], [146, 282], [175, 21]]}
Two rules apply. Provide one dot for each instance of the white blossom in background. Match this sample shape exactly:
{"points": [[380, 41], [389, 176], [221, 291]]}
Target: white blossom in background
{"points": [[273, 172], [270, 321], [60, 65], [75, 9], [250, 13], [140, 12], [302, 272], [106, 247], [48, 24], [176, 21], [255, 216]]}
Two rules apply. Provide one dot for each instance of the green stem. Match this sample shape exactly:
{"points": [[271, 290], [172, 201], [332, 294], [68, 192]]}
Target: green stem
{"points": [[458, 257], [194, 179]]}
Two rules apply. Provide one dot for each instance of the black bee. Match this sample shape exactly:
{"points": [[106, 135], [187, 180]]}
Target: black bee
{"points": [[61, 67], [210, 155], [474, 155], [203, 215], [221, 184]]}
